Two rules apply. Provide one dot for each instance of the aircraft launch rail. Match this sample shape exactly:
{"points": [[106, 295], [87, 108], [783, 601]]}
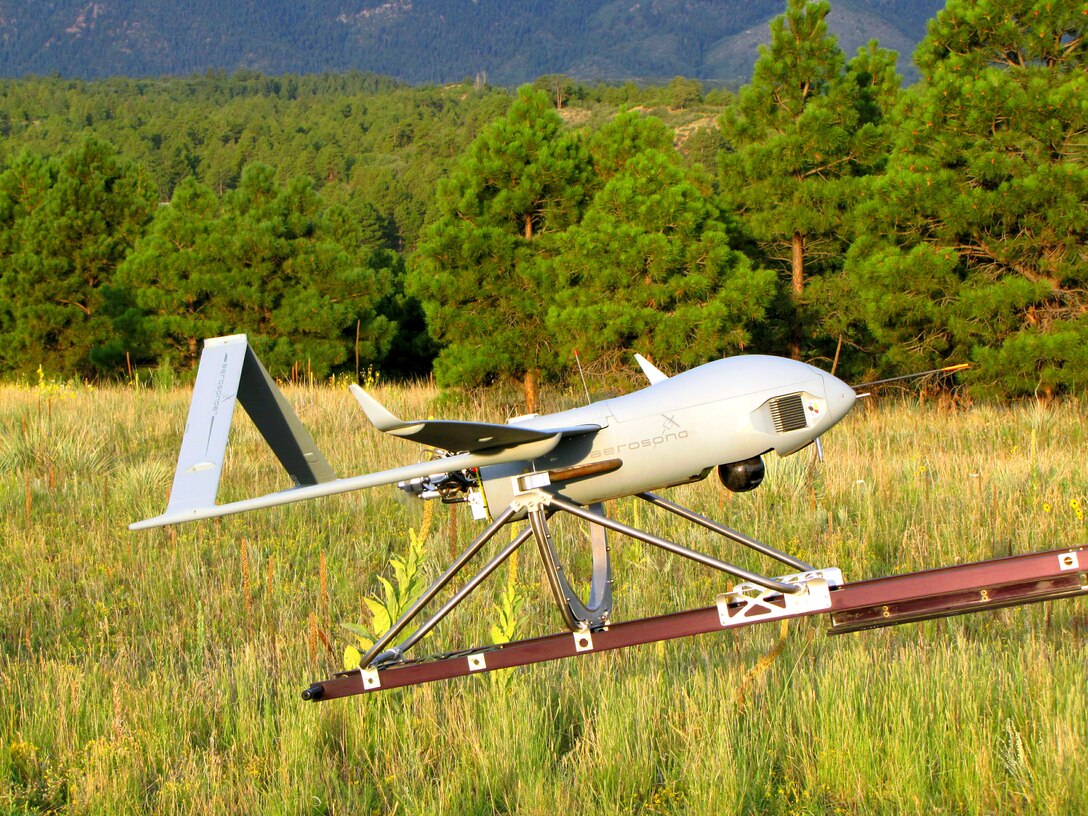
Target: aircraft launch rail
{"points": [[954, 590]]}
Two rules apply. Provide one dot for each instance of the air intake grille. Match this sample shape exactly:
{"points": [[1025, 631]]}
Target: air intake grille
{"points": [[788, 413]]}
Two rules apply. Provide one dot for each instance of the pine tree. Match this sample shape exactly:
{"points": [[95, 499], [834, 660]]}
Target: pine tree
{"points": [[979, 238], [172, 279], [798, 134], [650, 267], [268, 260], [480, 270], [67, 224]]}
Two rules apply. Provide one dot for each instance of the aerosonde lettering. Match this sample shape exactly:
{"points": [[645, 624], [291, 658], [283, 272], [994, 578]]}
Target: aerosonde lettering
{"points": [[638, 444]]}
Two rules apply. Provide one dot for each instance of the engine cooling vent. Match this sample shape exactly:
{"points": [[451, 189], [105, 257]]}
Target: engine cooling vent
{"points": [[788, 413]]}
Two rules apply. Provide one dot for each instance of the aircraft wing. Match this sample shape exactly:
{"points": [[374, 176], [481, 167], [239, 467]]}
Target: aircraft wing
{"points": [[464, 461], [230, 373], [454, 435]]}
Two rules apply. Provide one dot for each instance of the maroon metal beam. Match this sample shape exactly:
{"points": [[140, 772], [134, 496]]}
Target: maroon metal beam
{"points": [[887, 601], [961, 589], [523, 652]]}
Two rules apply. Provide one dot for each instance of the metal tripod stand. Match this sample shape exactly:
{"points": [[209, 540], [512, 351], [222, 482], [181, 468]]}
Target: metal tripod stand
{"points": [[579, 616]]}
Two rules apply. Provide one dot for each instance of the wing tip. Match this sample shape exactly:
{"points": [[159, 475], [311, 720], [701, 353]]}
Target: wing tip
{"points": [[164, 520], [379, 416]]}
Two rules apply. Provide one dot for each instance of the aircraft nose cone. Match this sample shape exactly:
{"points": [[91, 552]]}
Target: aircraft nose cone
{"points": [[840, 397]]}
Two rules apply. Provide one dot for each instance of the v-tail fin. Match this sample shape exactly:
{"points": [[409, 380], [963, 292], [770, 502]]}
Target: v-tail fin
{"points": [[229, 371]]}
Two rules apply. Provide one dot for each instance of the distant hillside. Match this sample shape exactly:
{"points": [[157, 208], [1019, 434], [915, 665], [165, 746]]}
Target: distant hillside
{"points": [[426, 40]]}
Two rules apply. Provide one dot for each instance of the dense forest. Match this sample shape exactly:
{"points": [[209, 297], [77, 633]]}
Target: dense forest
{"points": [[348, 221]]}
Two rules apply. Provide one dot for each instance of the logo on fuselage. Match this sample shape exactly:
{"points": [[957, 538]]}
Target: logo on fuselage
{"points": [[638, 444]]}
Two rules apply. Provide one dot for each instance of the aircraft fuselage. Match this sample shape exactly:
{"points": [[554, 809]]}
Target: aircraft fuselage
{"points": [[677, 430]]}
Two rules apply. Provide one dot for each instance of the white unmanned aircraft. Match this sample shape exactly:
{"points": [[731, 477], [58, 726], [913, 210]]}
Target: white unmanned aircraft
{"points": [[725, 414]]}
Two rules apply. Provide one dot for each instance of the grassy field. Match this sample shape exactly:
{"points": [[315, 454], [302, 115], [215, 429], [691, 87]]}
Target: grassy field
{"points": [[160, 672]]}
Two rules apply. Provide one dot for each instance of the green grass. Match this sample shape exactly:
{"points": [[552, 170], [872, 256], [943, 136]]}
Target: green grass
{"points": [[160, 672]]}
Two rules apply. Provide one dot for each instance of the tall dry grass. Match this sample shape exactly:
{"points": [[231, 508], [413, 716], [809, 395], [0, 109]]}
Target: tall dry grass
{"points": [[160, 672]]}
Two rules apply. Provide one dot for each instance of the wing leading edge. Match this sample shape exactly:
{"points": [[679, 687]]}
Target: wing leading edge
{"points": [[452, 435]]}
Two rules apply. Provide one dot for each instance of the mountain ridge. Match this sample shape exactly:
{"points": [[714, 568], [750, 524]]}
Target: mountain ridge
{"points": [[427, 41]]}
